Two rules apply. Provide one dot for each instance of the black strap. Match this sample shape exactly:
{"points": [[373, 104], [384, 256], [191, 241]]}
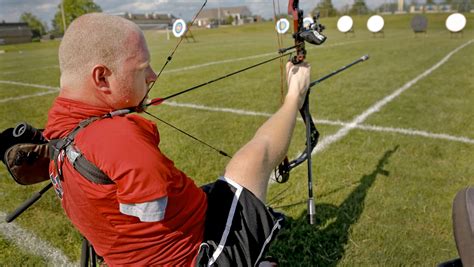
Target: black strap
{"points": [[86, 168]]}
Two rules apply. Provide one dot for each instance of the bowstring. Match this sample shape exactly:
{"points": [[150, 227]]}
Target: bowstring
{"points": [[276, 8], [221, 152], [170, 57], [279, 37]]}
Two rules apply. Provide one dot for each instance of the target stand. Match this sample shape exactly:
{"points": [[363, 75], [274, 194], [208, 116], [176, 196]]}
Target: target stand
{"points": [[181, 30], [422, 33], [375, 26], [350, 33], [458, 34], [189, 35], [419, 24], [455, 24], [380, 34], [345, 25]]}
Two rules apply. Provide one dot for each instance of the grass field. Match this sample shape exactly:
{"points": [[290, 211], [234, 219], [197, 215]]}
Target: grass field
{"points": [[397, 138]]}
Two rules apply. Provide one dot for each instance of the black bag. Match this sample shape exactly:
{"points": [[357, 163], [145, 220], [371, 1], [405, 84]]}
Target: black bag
{"points": [[25, 153]]}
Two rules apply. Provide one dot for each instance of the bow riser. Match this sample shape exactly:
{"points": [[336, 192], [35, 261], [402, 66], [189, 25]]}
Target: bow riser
{"points": [[297, 14]]}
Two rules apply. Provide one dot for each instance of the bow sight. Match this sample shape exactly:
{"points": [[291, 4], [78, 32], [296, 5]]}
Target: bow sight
{"points": [[311, 33]]}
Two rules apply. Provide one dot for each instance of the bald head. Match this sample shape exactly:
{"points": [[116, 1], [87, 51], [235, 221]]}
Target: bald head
{"points": [[93, 39]]}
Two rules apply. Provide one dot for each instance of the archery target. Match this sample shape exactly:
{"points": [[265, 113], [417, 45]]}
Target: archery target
{"points": [[307, 22], [375, 23], [344, 24], [179, 28], [456, 22], [282, 26], [419, 23]]}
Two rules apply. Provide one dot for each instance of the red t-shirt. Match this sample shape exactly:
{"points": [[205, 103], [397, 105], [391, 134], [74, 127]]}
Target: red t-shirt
{"points": [[126, 149]]}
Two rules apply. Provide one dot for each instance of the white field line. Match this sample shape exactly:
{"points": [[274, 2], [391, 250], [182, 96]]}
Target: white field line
{"points": [[245, 58], [51, 90], [461, 139], [30, 69], [328, 122], [9, 99], [30, 85], [327, 141], [32, 244], [217, 109]]}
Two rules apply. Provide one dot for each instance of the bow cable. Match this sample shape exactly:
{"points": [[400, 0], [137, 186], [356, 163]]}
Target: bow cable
{"points": [[157, 101], [276, 8], [170, 57], [279, 178], [223, 153]]}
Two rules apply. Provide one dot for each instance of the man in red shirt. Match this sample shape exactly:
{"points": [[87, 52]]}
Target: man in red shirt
{"points": [[151, 213]]}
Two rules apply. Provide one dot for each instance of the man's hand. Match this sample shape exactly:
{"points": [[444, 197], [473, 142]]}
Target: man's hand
{"points": [[298, 79]]}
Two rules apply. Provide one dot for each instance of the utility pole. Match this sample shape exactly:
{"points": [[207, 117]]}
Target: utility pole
{"points": [[64, 17], [401, 6], [218, 14]]}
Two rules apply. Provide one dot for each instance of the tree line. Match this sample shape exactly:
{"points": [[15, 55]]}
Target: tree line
{"points": [[71, 9]]}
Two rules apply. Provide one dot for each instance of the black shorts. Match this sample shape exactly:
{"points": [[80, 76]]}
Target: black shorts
{"points": [[239, 227]]}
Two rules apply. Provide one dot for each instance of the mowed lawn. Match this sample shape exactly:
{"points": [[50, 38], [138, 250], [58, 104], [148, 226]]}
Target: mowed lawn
{"points": [[383, 186]]}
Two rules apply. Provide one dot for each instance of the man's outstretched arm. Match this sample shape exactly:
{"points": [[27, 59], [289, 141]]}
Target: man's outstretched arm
{"points": [[252, 165]]}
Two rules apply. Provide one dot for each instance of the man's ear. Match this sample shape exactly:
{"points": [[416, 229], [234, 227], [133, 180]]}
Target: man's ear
{"points": [[100, 78]]}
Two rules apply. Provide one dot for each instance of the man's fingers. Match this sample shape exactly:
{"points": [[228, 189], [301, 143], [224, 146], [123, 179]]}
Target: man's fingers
{"points": [[289, 65], [294, 68]]}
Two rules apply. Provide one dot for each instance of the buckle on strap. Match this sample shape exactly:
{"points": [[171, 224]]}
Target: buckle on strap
{"points": [[72, 153]]}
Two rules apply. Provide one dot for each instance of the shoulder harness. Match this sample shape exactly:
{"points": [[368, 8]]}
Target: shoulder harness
{"points": [[65, 146]]}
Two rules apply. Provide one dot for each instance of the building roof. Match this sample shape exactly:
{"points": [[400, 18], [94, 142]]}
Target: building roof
{"points": [[149, 19], [15, 29], [224, 12], [13, 24]]}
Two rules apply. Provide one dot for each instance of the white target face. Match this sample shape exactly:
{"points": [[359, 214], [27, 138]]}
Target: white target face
{"points": [[282, 26], [456, 22], [375, 23], [344, 24], [307, 22], [179, 28]]}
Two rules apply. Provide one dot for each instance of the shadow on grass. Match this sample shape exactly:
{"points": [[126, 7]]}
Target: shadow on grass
{"points": [[323, 244]]}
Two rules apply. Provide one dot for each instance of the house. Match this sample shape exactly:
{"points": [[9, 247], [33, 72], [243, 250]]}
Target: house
{"points": [[15, 33], [431, 8], [150, 21], [224, 15]]}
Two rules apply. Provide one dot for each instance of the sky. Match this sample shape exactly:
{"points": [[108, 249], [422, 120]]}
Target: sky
{"points": [[10, 10]]}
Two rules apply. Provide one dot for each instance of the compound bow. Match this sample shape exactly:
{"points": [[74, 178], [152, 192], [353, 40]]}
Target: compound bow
{"points": [[311, 34]]}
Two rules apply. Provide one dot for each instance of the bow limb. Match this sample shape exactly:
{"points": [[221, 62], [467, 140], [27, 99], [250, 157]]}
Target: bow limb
{"points": [[297, 14]]}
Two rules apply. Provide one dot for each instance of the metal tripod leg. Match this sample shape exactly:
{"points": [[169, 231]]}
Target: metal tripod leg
{"points": [[88, 255]]}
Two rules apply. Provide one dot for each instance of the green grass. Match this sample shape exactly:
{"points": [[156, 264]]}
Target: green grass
{"points": [[382, 198], [13, 256]]}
